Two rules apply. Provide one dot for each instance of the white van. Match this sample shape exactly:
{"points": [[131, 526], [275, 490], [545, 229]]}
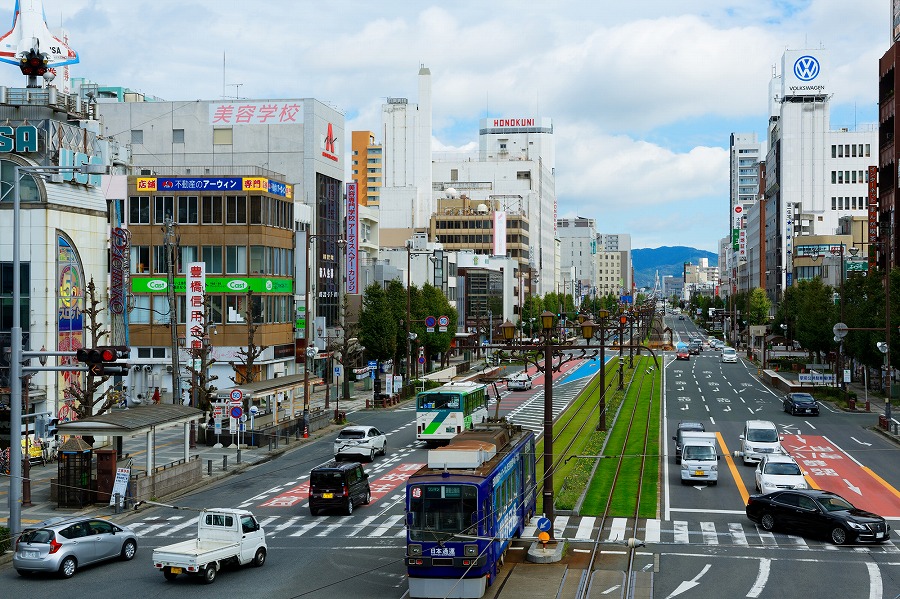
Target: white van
{"points": [[699, 458], [760, 437]]}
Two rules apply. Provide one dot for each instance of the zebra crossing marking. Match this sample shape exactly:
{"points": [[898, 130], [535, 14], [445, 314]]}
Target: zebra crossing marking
{"points": [[708, 530], [585, 528], [652, 530]]}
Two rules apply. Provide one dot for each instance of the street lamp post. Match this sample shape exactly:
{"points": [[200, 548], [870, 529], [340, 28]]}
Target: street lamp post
{"points": [[410, 336], [622, 320], [15, 357]]}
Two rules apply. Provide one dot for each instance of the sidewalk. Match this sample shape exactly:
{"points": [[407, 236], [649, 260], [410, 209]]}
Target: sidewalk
{"points": [[170, 448]]}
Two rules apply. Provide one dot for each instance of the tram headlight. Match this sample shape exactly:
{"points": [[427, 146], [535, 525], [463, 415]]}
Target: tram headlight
{"points": [[470, 550], [414, 550]]}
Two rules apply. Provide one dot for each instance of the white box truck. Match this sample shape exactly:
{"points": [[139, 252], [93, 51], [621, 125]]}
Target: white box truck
{"points": [[699, 458], [223, 536]]}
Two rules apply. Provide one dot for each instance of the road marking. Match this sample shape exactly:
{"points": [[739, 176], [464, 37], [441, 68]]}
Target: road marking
{"points": [[809, 425], [689, 584], [708, 530], [883, 482], [737, 534], [188, 522], [617, 530], [875, 585], [303, 529], [366, 522], [734, 471], [585, 528], [651, 534], [761, 578], [861, 442], [680, 528], [851, 487]]}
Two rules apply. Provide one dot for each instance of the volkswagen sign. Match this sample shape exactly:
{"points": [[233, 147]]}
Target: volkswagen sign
{"points": [[806, 68]]}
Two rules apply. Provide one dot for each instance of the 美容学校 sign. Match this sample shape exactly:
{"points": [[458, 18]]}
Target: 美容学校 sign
{"points": [[215, 285]]}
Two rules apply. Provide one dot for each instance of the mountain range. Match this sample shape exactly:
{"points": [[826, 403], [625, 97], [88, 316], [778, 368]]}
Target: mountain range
{"points": [[668, 260]]}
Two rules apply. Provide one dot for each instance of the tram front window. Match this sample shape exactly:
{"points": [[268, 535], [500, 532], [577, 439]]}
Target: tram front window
{"points": [[438, 512], [438, 401]]}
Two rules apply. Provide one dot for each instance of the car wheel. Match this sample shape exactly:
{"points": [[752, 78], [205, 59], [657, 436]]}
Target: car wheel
{"points": [[838, 535], [767, 522], [384, 448], [314, 511], [260, 558], [209, 574], [372, 455], [67, 567], [129, 548], [368, 498], [168, 574], [349, 506]]}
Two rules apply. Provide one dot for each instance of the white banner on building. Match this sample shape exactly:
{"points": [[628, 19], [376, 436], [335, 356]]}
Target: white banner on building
{"points": [[352, 239], [195, 290], [499, 233]]}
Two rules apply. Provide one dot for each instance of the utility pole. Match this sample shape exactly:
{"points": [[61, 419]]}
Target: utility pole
{"points": [[171, 243]]}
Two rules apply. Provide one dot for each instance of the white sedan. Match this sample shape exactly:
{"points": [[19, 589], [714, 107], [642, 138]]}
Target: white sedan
{"points": [[519, 382], [778, 471], [364, 441]]}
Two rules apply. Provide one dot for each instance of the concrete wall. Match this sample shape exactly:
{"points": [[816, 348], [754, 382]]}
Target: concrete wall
{"points": [[166, 479]]}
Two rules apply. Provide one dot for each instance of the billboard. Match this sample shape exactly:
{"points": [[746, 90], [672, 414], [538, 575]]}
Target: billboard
{"points": [[352, 240], [804, 73], [499, 233]]}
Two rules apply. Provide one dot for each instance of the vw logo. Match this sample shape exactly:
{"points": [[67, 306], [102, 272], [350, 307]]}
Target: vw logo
{"points": [[806, 68]]}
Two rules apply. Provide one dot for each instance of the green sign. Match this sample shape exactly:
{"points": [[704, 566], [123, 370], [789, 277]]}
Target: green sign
{"points": [[215, 285], [857, 265]]}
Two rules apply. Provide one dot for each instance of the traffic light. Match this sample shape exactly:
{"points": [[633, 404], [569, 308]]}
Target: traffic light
{"points": [[101, 360]]}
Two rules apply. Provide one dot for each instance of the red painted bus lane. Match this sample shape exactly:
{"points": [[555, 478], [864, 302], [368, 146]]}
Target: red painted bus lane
{"points": [[379, 487], [830, 468]]}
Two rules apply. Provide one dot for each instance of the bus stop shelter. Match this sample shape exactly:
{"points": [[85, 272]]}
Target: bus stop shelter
{"points": [[135, 421]]}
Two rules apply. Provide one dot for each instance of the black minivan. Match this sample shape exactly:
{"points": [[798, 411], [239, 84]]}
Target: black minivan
{"points": [[342, 485]]}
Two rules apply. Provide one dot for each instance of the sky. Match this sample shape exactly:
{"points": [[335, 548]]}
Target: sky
{"points": [[643, 95]]}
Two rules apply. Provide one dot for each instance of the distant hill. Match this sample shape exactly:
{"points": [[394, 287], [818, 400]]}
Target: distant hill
{"points": [[667, 260]]}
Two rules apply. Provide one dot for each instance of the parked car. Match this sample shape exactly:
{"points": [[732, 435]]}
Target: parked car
{"points": [[519, 382], [342, 485], [364, 441], [817, 512], [800, 403], [64, 544], [778, 471], [684, 427]]}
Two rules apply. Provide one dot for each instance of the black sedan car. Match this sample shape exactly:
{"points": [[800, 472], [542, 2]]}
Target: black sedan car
{"points": [[800, 403], [817, 512]]}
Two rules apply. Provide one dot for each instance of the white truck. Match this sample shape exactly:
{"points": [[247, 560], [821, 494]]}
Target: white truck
{"points": [[223, 536], [699, 458]]}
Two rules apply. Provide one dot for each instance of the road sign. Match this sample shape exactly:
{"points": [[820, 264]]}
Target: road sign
{"points": [[217, 411], [429, 323], [373, 366], [840, 330], [443, 322], [232, 425], [544, 524], [236, 411], [421, 359], [237, 396]]}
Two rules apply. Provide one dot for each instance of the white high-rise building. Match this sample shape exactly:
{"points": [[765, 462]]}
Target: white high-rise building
{"points": [[620, 244], [406, 199], [515, 165], [578, 256]]}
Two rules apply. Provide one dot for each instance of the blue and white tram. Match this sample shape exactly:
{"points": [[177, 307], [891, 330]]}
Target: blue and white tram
{"points": [[465, 506]]}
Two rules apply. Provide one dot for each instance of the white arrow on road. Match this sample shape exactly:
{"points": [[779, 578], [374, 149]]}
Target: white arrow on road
{"points": [[861, 442], [687, 585], [726, 409], [852, 488]]}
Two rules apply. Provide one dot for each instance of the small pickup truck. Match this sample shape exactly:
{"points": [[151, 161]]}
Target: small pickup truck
{"points": [[224, 536]]}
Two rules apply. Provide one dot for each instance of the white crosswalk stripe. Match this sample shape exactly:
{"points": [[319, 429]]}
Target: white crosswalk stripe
{"points": [[581, 528]]}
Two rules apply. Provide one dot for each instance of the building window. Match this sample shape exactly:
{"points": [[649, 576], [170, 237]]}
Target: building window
{"points": [[137, 136], [161, 313], [258, 205], [187, 210], [833, 177], [139, 210], [163, 209], [177, 136], [186, 255], [833, 151], [160, 259], [840, 149], [212, 257], [833, 203], [259, 259], [140, 314], [235, 260], [212, 210], [236, 210], [139, 259], [222, 137]]}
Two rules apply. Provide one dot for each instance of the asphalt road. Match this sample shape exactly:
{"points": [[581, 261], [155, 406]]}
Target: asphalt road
{"points": [[708, 546]]}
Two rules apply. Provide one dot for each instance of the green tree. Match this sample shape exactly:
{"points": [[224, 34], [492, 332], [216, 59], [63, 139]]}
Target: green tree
{"points": [[378, 328], [758, 307], [815, 316], [434, 303]]}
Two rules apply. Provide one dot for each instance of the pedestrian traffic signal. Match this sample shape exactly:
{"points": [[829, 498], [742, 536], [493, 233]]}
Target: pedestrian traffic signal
{"points": [[101, 360]]}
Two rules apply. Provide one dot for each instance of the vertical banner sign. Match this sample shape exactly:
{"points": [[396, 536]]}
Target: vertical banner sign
{"points": [[195, 288], [352, 239], [736, 225], [499, 233], [873, 214]]}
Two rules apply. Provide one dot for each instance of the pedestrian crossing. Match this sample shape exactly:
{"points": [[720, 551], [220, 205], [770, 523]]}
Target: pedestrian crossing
{"points": [[656, 534]]}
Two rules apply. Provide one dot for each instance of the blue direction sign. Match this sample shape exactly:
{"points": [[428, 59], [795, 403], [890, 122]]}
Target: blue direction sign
{"points": [[544, 524], [373, 366]]}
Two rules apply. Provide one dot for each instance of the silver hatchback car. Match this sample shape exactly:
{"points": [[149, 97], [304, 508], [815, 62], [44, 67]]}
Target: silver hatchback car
{"points": [[63, 545]]}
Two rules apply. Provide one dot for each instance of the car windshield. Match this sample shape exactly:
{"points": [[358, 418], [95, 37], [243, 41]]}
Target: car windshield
{"points": [[762, 435], [835, 504], [41, 535], [438, 401], [352, 435], [729, 350], [326, 478], [782, 469], [699, 452], [438, 512], [804, 399]]}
